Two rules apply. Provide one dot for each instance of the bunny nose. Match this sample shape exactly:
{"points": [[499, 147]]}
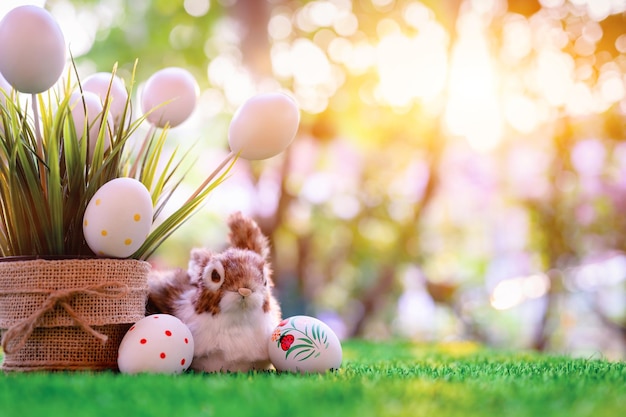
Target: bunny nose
{"points": [[244, 291]]}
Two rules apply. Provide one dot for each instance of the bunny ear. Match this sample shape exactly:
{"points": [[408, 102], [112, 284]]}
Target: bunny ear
{"points": [[246, 234], [198, 260]]}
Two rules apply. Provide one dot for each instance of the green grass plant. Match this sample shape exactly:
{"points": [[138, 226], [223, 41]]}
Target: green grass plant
{"points": [[376, 379], [47, 175]]}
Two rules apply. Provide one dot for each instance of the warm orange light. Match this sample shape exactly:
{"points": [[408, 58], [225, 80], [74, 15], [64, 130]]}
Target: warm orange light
{"points": [[473, 109]]}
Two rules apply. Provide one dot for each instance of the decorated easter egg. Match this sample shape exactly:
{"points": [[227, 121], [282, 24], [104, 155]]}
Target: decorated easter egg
{"points": [[33, 49], [118, 218], [170, 96], [105, 83], [159, 343], [86, 110], [304, 344], [263, 126]]}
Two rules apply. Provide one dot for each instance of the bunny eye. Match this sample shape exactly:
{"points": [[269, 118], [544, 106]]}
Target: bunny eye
{"points": [[215, 276]]}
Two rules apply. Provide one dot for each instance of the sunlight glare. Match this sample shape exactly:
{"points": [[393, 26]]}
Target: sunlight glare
{"points": [[411, 68], [507, 294], [512, 292], [473, 110], [552, 3], [554, 75], [236, 83], [346, 24], [279, 27], [359, 57], [599, 9], [516, 38], [612, 87], [197, 8], [416, 14], [580, 100], [521, 113], [309, 63], [79, 26]]}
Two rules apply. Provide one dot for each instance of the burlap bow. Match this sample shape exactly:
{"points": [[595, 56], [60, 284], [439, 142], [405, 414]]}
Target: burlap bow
{"points": [[16, 336]]}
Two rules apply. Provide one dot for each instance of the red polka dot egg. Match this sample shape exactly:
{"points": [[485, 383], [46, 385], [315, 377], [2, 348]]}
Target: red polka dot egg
{"points": [[159, 343]]}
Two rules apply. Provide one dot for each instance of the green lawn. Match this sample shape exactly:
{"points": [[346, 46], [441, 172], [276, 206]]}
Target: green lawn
{"points": [[376, 379]]}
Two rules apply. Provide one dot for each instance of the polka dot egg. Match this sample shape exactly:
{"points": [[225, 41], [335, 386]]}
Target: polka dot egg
{"points": [[118, 218], [159, 343]]}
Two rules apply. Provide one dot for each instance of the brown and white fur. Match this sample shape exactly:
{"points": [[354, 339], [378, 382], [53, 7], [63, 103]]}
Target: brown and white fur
{"points": [[225, 299]]}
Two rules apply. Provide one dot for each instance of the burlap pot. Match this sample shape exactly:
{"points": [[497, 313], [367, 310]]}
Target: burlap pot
{"points": [[68, 314]]}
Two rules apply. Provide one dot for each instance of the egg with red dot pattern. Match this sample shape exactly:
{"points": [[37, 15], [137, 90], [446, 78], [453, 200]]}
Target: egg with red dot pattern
{"points": [[159, 343]]}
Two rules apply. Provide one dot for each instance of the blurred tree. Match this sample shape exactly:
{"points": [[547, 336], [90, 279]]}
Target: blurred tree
{"points": [[417, 117]]}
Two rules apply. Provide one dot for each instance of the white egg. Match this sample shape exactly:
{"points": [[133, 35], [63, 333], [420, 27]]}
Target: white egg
{"points": [[304, 344], [118, 218], [99, 83], [264, 126], [158, 344], [32, 49], [172, 93], [93, 117]]}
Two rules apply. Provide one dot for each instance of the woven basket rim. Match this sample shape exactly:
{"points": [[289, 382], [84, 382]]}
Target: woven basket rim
{"points": [[53, 258]]}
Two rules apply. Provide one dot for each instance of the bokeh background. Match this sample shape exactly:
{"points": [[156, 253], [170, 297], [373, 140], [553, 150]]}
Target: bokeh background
{"points": [[459, 172]]}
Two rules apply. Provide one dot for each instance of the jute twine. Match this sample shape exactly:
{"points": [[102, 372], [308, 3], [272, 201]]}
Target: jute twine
{"points": [[68, 314]]}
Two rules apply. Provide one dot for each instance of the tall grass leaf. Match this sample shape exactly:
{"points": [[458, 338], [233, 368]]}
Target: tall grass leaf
{"points": [[178, 218], [55, 189]]}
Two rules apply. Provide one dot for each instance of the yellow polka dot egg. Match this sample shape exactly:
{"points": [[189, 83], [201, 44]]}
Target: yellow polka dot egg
{"points": [[118, 218]]}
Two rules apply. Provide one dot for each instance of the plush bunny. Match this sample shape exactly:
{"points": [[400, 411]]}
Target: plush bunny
{"points": [[225, 299]]}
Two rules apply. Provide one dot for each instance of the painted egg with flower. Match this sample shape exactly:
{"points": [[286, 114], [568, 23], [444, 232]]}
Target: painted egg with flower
{"points": [[306, 345], [118, 218], [159, 343]]}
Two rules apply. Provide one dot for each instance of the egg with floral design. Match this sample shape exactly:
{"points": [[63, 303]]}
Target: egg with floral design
{"points": [[159, 343], [306, 345], [118, 218]]}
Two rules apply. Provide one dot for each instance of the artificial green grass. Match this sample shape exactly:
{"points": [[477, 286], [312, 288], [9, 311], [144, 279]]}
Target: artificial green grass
{"points": [[376, 379]]}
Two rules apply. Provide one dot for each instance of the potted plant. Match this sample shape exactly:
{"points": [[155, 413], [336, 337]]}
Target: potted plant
{"points": [[78, 203]]}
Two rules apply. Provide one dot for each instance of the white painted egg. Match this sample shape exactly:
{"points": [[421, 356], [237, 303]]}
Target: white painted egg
{"points": [[92, 118], [99, 83], [304, 344], [170, 94], [159, 343], [264, 126], [118, 218], [32, 49]]}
